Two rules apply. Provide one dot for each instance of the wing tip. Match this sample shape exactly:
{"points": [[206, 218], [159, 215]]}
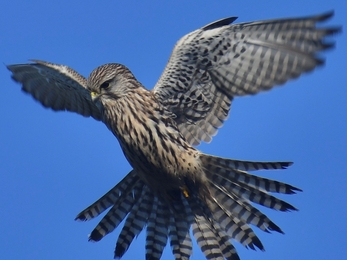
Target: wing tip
{"points": [[9, 67], [35, 61], [324, 16], [219, 23]]}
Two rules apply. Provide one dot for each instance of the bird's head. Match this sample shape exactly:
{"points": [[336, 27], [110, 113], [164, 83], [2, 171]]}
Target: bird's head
{"points": [[110, 81]]}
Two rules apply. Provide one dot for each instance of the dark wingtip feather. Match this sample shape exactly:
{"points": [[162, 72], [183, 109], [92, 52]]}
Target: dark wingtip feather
{"points": [[328, 45], [324, 16], [9, 67], [319, 61], [12, 70], [14, 78], [332, 30], [40, 62], [219, 23]]}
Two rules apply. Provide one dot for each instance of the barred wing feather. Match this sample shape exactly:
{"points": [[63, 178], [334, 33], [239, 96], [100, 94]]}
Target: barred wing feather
{"points": [[211, 65]]}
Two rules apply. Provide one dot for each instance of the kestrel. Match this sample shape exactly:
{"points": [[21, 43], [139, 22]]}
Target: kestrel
{"points": [[173, 187]]}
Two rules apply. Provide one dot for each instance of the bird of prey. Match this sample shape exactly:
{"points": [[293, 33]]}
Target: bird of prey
{"points": [[174, 189]]}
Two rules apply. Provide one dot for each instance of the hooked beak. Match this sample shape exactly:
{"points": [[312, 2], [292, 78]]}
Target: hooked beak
{"points": [[94, 95]]}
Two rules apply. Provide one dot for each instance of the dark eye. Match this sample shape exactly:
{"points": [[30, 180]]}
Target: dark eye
{"points": [[105, 85]]}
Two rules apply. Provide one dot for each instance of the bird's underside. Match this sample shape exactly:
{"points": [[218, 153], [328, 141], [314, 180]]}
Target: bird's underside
{"points": [[173, 187]]}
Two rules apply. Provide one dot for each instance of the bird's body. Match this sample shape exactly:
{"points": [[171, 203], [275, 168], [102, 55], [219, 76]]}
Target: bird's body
{"points": [[173, 186], [148, 135]]}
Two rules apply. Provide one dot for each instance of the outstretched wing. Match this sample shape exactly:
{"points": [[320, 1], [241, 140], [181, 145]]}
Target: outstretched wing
{"points": [[56, 86], [210, 66]]}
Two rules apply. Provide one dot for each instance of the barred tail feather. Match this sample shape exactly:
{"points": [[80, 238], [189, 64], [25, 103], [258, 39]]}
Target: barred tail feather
{"points": [[228, 206], [234, 171], [247, 192], [209, 234], [228, 250], [123, 187], [242, 165], [232, 190], [235, 228], [227, 214], [203, 231], [179, 226], [117, 213], [135, 222], [157, 230], [206, 238]]}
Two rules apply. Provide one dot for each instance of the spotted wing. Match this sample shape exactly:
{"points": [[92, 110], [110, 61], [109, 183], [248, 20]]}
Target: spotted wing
{"points": [[210, 66], [56, 86]]}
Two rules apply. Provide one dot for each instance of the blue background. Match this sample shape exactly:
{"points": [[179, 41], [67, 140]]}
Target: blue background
{"points": [[55, 164]]}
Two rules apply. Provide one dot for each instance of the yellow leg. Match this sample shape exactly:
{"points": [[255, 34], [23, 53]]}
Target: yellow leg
{"points": [[185, 192]]}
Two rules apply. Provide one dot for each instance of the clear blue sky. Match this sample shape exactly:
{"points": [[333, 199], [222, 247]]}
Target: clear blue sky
{"points": [[55, 164]]}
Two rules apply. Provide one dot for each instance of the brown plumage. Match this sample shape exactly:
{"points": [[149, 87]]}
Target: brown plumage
{"points": [[174, 187]]}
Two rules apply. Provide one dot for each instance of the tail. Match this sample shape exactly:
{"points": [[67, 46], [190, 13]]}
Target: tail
{"points": [[227, 215], [233, 190], [132, 199]]}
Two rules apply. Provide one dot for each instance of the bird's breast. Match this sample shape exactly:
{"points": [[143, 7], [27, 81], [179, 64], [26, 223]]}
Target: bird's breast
{"points": [[153, 145]]}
